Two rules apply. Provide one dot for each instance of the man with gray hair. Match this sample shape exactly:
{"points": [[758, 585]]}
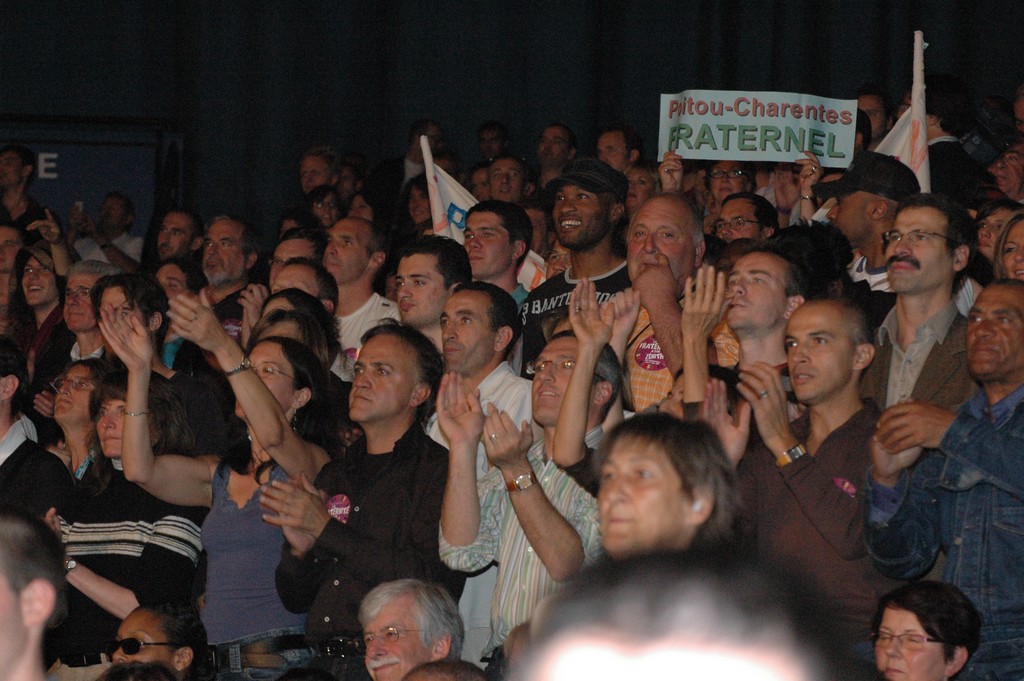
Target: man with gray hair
{"points": [[393, 611], [31, 587]]}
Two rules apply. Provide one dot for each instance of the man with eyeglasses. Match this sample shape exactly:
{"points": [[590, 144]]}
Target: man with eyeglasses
{"points": [[866, 197], [81, 319], [921, 354], [525, 513], [408, 622], [952, 482], [746, 215]]}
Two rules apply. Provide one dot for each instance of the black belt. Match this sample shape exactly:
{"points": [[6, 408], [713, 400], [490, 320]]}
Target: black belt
{"points": [[83, 659], [258, 654], [342, 646]]}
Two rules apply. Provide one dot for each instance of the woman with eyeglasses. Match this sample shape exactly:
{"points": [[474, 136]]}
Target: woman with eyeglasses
{"points": [[924, 631], [280, 393], [167, 634], [73, 390], [125, 547], [722, 179]]}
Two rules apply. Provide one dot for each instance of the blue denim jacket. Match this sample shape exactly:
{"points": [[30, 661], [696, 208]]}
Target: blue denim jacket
{"points": [[968, 499]]}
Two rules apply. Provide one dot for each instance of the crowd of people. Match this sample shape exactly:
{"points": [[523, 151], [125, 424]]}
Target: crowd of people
{"points": [[647, 415]]}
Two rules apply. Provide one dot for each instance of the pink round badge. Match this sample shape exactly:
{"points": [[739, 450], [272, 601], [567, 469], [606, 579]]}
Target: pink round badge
{"points": [[338, 507], [648, 355]]}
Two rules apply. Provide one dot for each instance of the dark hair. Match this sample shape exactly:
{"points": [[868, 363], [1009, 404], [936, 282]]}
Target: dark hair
{"points": [[749, 172], [949, 100], [321, 192], [169, 432], [98, 368], [195, 280], [138, 671], [796, 275], [181, 625], [405, 229], [447, 670], [126, 201], [141, 292], [696, 454], [863, 127], [195, 223], [317, 420], [493, 126], [873, 89], [30, 550], [429, 362], [568, 132], [310, 329], [23, 320], [326, 286], [608, 368], [501, 310], [14, 363], [821, 251], [629, 134], [307, 304], [764, 212], [855, 319], [943, 610], [524, 167], [513, 218], [301, 215], [25, 155], [451, 260], [249, 239], [314, 235], [960, 228], [420, 127]]}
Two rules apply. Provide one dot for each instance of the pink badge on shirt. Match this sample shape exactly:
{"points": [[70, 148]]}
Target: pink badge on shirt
{"points": [[846, 486], [338, 507], [648, 355]]}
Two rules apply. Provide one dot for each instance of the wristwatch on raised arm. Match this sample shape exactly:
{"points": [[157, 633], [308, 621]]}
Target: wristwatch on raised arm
{"points": [[521, 482]]}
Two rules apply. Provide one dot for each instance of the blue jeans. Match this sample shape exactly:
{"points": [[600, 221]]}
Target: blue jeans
{"points": [[296, 657]]}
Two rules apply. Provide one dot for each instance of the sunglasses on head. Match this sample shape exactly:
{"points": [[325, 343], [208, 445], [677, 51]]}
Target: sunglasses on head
{"points": [[132, 646]]}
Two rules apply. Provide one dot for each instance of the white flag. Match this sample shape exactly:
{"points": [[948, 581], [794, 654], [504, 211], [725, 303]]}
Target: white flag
{"points": [[908, 139], [449, 200]]}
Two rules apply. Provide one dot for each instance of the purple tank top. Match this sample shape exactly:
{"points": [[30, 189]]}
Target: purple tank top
{"points": [[243, 552]]}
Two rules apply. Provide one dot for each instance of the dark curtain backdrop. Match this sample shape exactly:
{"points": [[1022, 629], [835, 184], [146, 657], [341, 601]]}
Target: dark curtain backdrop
{"points": [[251, 83]]}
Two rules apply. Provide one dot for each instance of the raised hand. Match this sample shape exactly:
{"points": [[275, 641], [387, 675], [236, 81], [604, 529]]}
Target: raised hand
{"points": [[251, 299], [626, 306], [459, 413], [506, 445], [128, 338], [761, 386], [670, 171], [591, 323], [48, 228], [192, 318], [733, 431], [703, 302]]}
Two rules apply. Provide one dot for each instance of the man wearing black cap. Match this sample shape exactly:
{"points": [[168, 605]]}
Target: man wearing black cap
{"points": [[589, 208], [866, 199]]}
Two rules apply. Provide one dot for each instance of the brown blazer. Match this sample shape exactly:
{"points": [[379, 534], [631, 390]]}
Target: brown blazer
{"points": [[944, 379]]}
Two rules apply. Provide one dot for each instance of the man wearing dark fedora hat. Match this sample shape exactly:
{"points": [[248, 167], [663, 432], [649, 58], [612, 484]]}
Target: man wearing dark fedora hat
{"points": [[589, 198]]}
